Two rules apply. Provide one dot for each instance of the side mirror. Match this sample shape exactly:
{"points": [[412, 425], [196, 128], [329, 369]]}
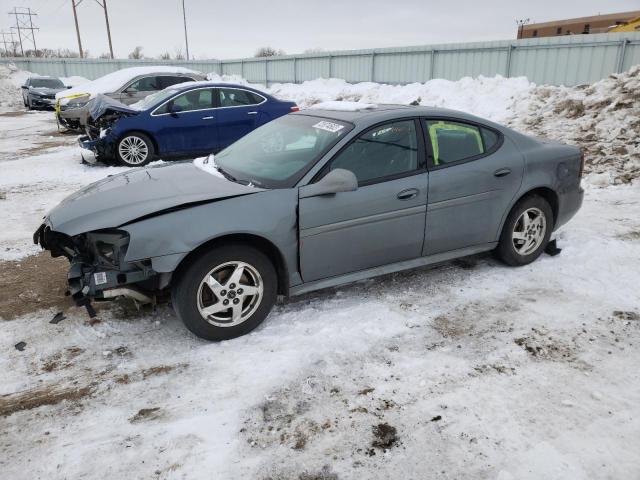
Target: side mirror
{"points": [[131, 91], [174, 109], [24, 87], [69, 86], [338, 180]]}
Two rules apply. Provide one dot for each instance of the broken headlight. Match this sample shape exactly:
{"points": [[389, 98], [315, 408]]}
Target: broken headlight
{"points": [[108, 247]]}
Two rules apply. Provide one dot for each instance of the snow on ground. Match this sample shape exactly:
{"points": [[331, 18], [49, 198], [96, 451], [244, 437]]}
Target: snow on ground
{"points": [[466, 370]]}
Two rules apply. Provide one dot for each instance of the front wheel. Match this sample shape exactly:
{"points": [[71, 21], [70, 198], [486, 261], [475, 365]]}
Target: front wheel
{"points": [[134, 150], [226, 292], [526, 232]]}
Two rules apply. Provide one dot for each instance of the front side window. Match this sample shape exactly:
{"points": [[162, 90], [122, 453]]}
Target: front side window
{"points": [[232, 97], [387, 150], [201, 99], [279, 153], [454, 141]]}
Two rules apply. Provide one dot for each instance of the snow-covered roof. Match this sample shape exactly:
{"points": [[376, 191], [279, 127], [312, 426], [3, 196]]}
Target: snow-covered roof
{"points": [[114, 80], [343, 105]]}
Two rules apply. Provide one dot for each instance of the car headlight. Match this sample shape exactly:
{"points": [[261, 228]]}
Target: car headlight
{"points": [[108, 247], [75, 101]]}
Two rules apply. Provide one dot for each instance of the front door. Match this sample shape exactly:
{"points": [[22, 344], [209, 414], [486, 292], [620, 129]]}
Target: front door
{"points": [[380, 223], [187, 123], [474, 176]]}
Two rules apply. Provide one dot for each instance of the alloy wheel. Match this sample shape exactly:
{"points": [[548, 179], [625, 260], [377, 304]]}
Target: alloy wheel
{"points": [[230, 293], [133, 150], [529, 231]]}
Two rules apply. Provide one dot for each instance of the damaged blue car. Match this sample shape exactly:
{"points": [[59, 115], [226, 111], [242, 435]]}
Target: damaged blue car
{"points": [[184, 120]]}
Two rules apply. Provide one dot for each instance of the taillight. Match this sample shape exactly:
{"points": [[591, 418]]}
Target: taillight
{"points": [[581, 164], [295, 109]]}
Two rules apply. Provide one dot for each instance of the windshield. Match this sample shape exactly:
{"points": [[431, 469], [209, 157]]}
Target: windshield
{"points": [[279, 153], [150, 100], [46, 83]]}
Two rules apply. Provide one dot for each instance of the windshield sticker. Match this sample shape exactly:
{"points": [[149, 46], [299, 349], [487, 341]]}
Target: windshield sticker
{"points": [[329, 126]]}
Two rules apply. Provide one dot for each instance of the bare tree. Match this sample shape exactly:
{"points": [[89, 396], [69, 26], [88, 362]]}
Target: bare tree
{"points": [[269, 52], [105, 55], [179, 55], [136, 54], [165, 56], [314, 50]]}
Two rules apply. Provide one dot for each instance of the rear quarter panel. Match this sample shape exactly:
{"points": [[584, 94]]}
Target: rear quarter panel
{"points": [[552, 165]]}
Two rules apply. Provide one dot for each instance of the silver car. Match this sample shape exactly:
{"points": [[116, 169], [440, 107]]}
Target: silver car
{"points": [[311, 200], [127, 86]]}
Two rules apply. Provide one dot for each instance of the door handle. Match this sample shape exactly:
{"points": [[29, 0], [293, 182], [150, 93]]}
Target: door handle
{"points": [[252, 113], [502, 172], [408, 194], [208, 118]]}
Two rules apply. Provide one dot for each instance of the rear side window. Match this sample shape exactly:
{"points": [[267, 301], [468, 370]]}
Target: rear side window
{"points": [[201, 99], [169, 80], [145, 84], [232, 97], [455, 141]]}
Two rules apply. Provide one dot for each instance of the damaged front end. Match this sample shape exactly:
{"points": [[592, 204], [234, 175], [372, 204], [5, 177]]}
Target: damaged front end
{"points": [[99, 144], [98, 268]]}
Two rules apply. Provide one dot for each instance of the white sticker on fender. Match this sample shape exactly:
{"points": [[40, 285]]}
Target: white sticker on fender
{"points": [[329, 126], [100, 278]]}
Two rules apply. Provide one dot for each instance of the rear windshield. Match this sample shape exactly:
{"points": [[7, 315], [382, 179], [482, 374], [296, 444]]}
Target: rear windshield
{"points": [[46, 83], [278, 154]]}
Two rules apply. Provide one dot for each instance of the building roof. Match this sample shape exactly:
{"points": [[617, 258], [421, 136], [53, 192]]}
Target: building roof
{"points": [[594, 18]]}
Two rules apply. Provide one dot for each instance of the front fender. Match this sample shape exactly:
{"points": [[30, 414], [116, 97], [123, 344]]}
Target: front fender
{"points": [[167, 238]]}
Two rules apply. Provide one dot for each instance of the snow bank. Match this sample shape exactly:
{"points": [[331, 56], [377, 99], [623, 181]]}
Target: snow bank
{"points": [[602, 118], [114, 80]]}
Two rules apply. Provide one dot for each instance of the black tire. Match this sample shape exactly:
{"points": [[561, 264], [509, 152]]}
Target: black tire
{"points": [[506, 250], [28, 104], [186, 288], [134, 138]]}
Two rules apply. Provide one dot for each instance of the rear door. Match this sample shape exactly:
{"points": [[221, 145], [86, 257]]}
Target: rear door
{"points": [[475, 173], [238, 114], [186, 124], [380, 223]]}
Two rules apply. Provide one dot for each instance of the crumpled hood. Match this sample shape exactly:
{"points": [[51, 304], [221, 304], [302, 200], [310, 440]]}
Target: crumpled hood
{"points": [[102, 103], [122, 198]]}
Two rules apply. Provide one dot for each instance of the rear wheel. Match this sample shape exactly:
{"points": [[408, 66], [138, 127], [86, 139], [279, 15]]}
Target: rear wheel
{"points": [[226, 292], [28, 104], [526, 232], [134, 150]]}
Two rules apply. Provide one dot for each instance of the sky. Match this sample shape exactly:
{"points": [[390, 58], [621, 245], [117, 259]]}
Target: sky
{"points": [[227, 29]]}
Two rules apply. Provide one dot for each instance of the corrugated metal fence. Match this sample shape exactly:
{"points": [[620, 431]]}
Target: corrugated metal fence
{"points": [[567, 60]]}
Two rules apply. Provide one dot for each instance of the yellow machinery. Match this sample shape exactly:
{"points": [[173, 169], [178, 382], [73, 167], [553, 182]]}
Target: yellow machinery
{"points": [[632, 25]]}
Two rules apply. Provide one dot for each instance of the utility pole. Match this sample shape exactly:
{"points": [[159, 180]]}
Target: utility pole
{"points": [[106, 18], [74, 4], [186, 40]]}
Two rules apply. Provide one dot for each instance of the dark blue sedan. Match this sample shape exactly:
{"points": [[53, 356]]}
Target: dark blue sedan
{"points": [[185, 120]]}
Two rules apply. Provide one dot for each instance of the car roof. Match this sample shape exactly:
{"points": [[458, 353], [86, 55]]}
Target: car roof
{"points": [[208, 83], [372, 114]]}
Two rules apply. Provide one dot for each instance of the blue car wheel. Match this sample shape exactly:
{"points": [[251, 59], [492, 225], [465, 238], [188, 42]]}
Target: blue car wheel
{"points": [[134, 150]]}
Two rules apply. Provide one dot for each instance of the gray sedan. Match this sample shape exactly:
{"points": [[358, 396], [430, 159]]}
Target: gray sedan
{"points": [[311, 200]]}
